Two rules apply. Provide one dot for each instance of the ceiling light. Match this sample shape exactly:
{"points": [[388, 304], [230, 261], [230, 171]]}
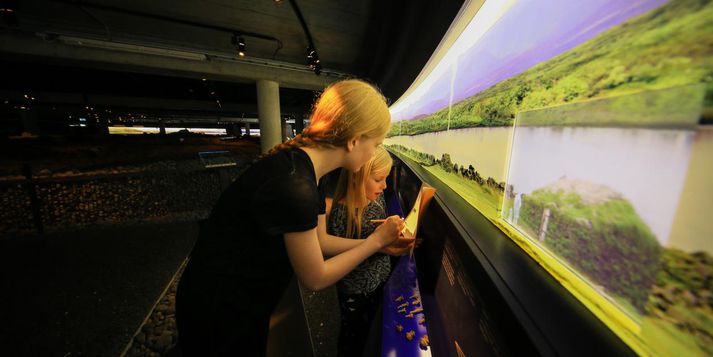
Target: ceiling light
{"points": [[240, 42], [313, 60], [7, 6]]}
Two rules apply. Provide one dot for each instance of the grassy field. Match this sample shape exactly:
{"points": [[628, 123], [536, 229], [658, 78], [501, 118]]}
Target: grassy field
{"points": [[485, 199], [668, 340], [671, 108]]}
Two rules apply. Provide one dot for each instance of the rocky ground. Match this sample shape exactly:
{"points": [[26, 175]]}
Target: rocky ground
{"points": [[84, 293], [157, 336], [84, 290], [62, 156]]}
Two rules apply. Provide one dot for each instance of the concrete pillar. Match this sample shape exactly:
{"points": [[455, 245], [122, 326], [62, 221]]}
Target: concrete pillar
{"points": [[103, 126], [268, 108], [299, 124]]}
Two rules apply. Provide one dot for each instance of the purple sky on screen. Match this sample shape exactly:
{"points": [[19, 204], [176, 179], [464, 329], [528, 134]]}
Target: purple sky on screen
{"points": [[531, 32]]}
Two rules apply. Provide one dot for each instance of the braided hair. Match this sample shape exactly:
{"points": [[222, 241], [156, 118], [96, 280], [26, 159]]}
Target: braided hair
{"points": [[346, 109]]}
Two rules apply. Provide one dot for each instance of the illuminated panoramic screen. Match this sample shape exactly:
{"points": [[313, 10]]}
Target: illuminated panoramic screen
{"points": [[582, 129]]}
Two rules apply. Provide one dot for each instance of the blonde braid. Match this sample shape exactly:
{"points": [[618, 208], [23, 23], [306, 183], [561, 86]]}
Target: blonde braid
{"points": [[298, 141], [346, 109]]}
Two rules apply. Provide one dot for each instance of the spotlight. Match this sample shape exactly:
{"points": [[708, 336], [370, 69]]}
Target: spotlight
{"points": [[311, 55], [241, 47], [8, 11], [240, 42], [9, 5], [313, 60]]}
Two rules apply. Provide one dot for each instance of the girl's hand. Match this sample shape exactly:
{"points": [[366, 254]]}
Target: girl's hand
{"points": [[404, 244], [389, 231]]}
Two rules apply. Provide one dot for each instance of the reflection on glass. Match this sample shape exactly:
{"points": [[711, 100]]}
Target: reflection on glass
{"points": [[605, 179], [603, 199]]}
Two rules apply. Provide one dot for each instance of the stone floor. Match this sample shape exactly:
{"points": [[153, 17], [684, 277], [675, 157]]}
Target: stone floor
{"points": [[157, 335], [84, 293], [323, 319]]}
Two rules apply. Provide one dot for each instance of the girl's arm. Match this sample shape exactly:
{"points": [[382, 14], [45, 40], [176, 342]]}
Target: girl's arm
{"points": [[315, 273]]}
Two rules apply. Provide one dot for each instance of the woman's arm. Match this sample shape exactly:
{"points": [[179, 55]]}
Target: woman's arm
{"points": [[315, 273], [332, 245]]}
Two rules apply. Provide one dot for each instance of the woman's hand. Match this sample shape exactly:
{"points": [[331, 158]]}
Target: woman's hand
{"points": [[389, 231]]}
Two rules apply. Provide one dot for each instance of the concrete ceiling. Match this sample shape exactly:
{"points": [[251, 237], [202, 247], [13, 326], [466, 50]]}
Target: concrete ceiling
{"points": [[75, 30], [159, 43]]}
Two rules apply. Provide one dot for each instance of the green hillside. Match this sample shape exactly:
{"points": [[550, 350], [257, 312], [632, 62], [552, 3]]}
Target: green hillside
{"points": [[669, 46], [597, 231]]}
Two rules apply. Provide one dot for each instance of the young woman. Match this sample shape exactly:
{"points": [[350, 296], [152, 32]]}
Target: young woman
{"points": [[270, 223], [358, 199]]}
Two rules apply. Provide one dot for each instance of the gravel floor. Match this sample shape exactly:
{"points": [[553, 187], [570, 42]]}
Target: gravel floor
{"points": [[158, 335], [85, 293]]}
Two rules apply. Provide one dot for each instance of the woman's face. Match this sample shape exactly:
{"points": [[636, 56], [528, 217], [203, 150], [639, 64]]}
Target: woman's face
{"points": [[362, 151], [375, 185]]}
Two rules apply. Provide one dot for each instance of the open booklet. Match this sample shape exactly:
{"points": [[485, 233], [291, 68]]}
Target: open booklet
{"points": [[425, 194]]}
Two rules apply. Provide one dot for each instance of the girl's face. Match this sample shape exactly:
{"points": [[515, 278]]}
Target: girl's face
{"points": [[375, 185]]}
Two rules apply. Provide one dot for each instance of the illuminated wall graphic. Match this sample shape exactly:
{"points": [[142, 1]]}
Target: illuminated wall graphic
{"points": [[129, 130], [603, 199], [580, 128]]}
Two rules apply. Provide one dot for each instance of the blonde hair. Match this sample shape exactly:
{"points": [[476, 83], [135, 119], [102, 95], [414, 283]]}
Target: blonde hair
{"points": [[346, 109], [351, 189]]}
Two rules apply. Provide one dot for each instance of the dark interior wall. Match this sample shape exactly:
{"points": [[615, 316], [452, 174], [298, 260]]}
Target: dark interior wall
{"points": [[400, 39]]}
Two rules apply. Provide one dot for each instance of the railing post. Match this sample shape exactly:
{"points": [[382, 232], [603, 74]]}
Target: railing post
{"points": [[34, 200], [224, 177]]}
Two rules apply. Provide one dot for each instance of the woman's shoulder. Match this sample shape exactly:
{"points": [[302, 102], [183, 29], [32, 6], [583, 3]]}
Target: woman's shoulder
{"points": [[282, 188], [284, 166]]}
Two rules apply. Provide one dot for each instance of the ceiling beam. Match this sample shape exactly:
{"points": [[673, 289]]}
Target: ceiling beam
{"points": [[103, 100], [171, 62]]}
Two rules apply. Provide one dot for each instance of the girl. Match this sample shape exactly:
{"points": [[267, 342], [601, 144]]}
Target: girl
{"points": [[270, 223], [357, 200]]}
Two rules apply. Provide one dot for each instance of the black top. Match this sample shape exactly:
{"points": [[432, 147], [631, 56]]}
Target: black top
{"points": [[243, 236]]}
